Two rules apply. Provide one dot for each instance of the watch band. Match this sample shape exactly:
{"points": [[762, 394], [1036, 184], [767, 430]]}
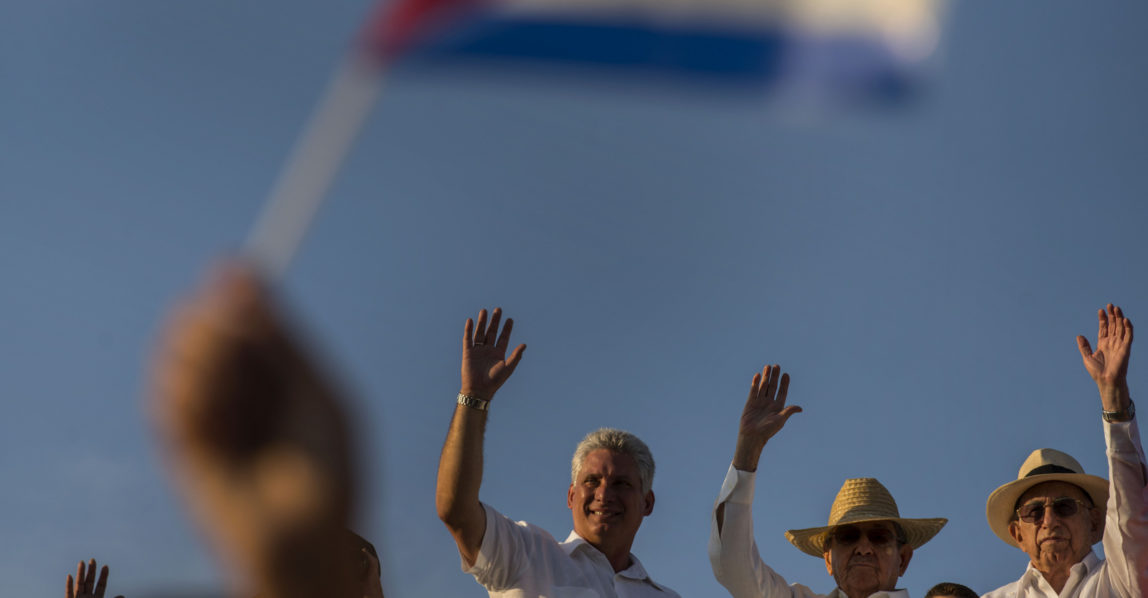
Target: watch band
{"points": [[1123, 415], [473, 402]]}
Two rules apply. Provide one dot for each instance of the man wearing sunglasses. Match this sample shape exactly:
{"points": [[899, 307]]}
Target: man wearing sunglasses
{"points": [[867, 545], [1055, 512]]}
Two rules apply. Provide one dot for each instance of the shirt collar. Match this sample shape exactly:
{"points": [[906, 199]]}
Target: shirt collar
{"points": [[1090, 562], [635, 571]]}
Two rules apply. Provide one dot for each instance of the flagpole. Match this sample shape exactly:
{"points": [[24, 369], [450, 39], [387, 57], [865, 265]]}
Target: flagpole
{"points": [[312, 165]]}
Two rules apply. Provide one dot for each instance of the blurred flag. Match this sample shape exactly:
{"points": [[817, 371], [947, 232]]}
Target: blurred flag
{"points": [[812, 51], [821, 49]]}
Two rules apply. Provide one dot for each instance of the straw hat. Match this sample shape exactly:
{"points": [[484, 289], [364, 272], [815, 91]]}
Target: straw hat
{"points": [[1043, 465], [861, 500]]}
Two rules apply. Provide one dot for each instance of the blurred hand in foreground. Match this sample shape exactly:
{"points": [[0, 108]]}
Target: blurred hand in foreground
{"points": [[259, 444]]}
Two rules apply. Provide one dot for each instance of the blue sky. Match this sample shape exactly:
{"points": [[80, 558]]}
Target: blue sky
{"points": [[921, 271]]}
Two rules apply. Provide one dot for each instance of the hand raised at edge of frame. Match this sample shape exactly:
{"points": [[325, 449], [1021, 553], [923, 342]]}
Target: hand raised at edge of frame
{"points": [[1108, 364], [86, 585], [764, 415], [485, 366]]}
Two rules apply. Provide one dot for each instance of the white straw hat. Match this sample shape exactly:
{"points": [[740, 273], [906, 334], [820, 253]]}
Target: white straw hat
{"points": [[1042, 465]]}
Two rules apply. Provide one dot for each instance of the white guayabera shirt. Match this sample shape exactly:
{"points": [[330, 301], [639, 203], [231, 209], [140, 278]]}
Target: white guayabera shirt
{"points": [[1124, 573], [520, 560]]}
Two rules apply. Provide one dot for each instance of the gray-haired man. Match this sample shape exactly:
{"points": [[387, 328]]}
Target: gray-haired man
{"points": [[609, 496]]}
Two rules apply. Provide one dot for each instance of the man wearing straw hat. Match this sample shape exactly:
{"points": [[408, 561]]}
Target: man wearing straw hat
{"points": [[866, 545], [1055, 512]]}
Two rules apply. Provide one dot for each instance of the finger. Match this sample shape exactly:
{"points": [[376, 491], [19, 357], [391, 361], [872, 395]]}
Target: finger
{"points": [[783, 390], [763, 384], [754, 389], [70, 593], [90, 579], [1128, 327], [788, 412], [1117, 322], [80, 577], [102, 583], [1085, 348], [771, 383], [492, 329], [515, 357], [504, 338], [480, 327], [467, 334], [1103, 325]]}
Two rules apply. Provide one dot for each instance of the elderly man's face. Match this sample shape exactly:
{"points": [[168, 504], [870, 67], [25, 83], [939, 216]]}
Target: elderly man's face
{"points": [[1056, 543], [865, 557]]}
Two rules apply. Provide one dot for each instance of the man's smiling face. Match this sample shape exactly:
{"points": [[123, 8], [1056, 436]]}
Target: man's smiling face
{"points": [[607, 501]]}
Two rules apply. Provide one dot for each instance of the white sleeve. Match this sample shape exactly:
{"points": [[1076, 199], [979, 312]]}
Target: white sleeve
{"points": [[506, 548], [733, 552], [1126, 527]]}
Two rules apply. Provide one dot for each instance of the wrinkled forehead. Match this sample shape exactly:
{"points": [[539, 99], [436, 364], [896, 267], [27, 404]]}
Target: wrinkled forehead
{"points": [[1053, 490]]}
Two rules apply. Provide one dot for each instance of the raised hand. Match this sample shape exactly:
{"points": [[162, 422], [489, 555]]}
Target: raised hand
{"points": [[256, 437], [1108, 364], [86, 585], [764, 415], [485, 366]]}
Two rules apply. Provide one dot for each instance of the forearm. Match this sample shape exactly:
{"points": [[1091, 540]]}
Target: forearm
{"points": [[747, 453], [1114, 396], [459, 480]]}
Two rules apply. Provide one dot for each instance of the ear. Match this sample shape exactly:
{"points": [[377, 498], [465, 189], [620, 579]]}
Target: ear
{"points": [[649, 504], [828, 563], [570, 497], [1014, 531], [1096, 515], [906, 556]]}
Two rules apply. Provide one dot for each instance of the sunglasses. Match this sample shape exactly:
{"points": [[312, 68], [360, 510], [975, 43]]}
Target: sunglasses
{"points": [[1062, 507], [848, 535]]}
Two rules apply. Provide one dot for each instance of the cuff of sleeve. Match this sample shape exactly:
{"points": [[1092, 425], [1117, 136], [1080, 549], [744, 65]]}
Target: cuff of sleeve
{"points": [[737, 487], [1122, 437]]}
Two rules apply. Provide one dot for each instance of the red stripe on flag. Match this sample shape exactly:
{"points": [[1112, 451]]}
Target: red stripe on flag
{"points": [[398, 24]]}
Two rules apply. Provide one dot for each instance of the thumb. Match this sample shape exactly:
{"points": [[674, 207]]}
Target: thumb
{"points": [[788, 412], [1085, 348]]}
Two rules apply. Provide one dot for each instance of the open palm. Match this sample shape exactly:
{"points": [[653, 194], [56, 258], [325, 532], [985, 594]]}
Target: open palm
{"points": [[765, 411], [485, 366], [1108, 363]]}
